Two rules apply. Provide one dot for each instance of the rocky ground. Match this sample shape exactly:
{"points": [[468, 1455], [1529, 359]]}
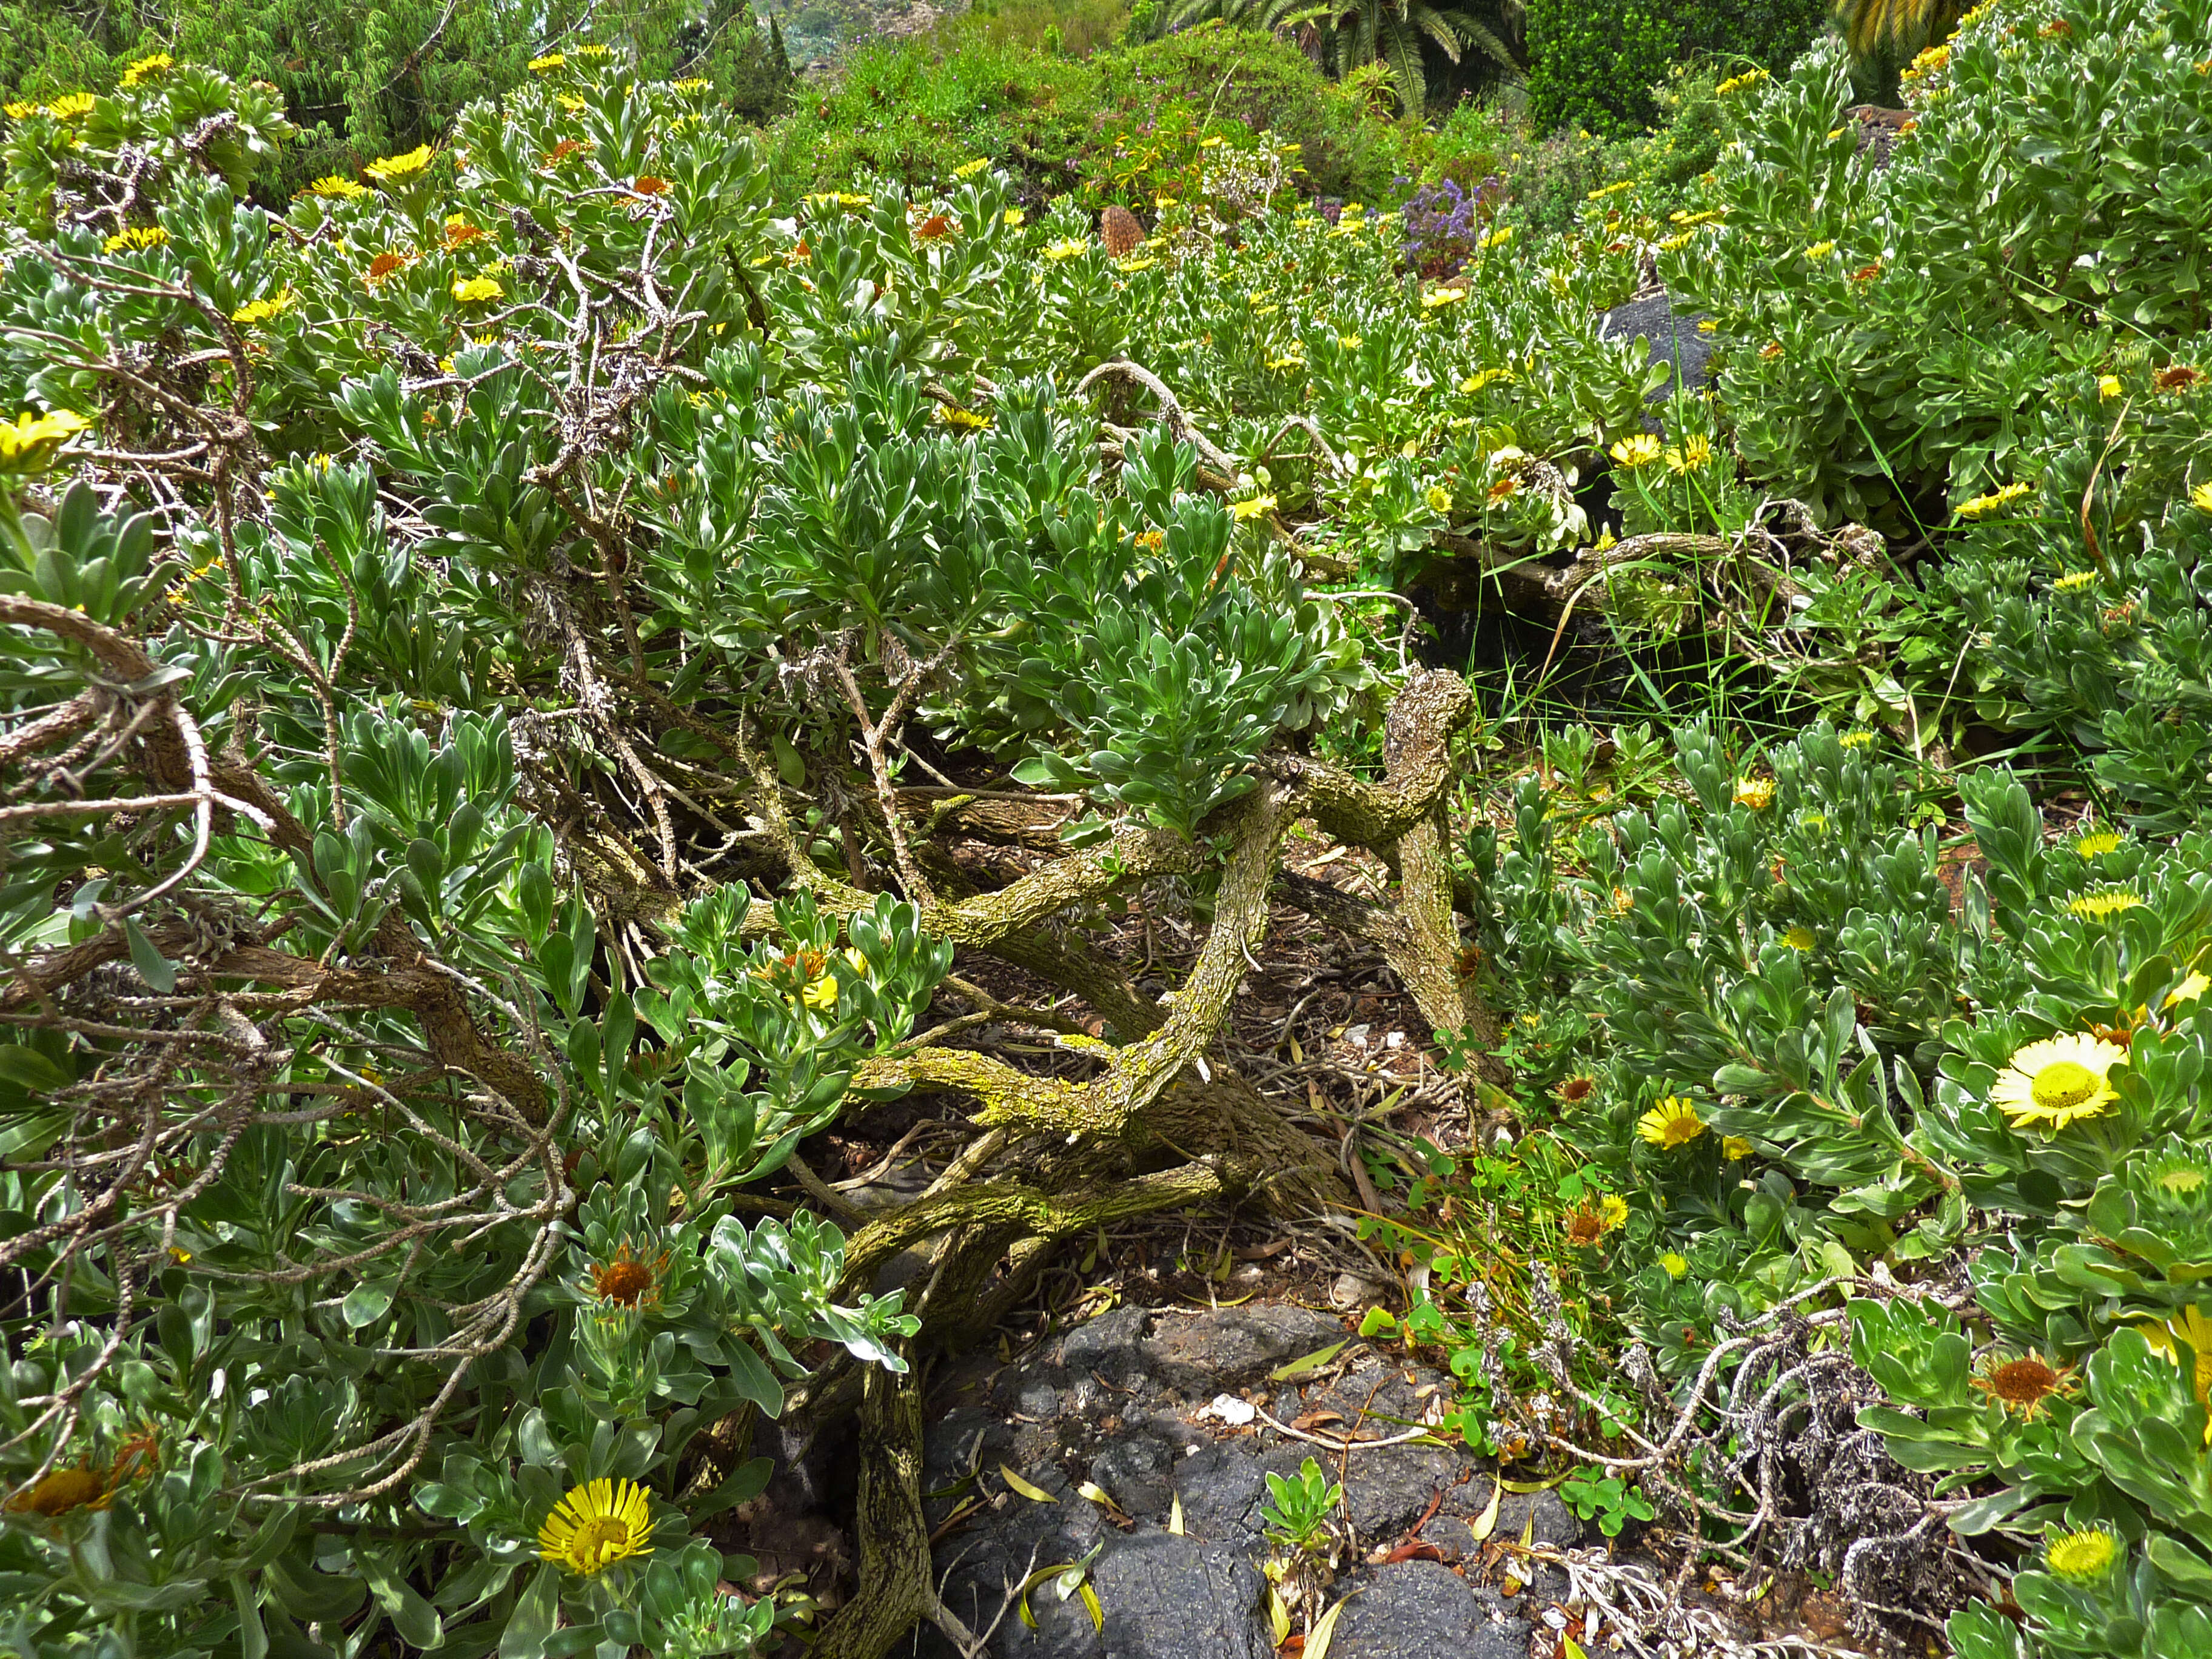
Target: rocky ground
{"points": [[1159, 1409]]}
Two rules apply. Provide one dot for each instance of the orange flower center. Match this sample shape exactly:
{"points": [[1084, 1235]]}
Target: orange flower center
{"points": [[2022, 1382], [622, 1281], [60, 1491]]}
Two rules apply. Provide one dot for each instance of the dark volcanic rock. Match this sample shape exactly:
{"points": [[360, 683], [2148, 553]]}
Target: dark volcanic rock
{"points": [[1201, 1358], [1125, 1403], [1419, 1610], [1672, 335]]}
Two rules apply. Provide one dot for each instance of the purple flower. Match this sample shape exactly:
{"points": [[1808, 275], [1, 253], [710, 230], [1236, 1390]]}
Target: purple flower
{"points": [[1442, 224]]}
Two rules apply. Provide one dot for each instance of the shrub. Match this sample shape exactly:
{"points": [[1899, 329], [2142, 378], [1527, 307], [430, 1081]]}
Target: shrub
{"points": [[913, 109], [1124, 126], [1598, 67], [544, 518], [365, 81]]}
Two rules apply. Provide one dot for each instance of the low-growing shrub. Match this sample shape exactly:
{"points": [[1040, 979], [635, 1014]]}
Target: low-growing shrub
{"points": [[1601, 66]]}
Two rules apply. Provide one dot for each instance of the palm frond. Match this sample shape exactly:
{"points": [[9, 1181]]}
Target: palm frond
{"points": [[1438, 27], [1869, 25], [1492, 45], [1403, 48]]}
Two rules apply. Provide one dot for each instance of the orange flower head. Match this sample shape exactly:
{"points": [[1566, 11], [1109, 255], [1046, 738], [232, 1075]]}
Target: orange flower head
{"points": [[59, 1491], [2022, 1385], [387, 265], [627, 1279], [647, 184]]}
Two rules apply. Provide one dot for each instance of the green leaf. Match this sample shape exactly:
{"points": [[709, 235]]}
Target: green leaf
{"points": [[253, 1638], [751, 1377], [366, 1303], [1308, 1363], [532, 1623], [153, 967], [29, 1069]]}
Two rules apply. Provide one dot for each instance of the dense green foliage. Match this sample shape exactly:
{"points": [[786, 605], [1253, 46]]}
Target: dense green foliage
{"points": [[1788, 1027], [441, 622], [1124, 125], [1597, 66], [366, 81], [1480, 42]]}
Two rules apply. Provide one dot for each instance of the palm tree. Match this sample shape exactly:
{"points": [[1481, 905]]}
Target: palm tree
{"points": [[1902, 26], [1344, 35]]}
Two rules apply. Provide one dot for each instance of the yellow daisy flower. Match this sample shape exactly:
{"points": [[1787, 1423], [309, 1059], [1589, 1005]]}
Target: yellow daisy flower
{"points": [[1982, 505], [471, 289], [1673, 1122], [1676, 1265], [2108, 386], [1639, 450], [2058, 1081], [2082, 1558], [2105, 905], [395, 168], [260, 311], [596, 1525], [1735, 1148], [1695, 452], [2096, 843], [1245, 511], [31, 439], [146, 68], [1756, 793]]}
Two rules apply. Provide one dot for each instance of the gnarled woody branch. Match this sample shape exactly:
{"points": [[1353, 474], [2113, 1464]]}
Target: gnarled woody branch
{"points": [[169, 757], [1403, 814]]}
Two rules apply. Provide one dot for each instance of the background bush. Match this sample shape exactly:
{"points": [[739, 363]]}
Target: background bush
{"points": [[1122, 125], [370, 80], [1596, 66]]}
